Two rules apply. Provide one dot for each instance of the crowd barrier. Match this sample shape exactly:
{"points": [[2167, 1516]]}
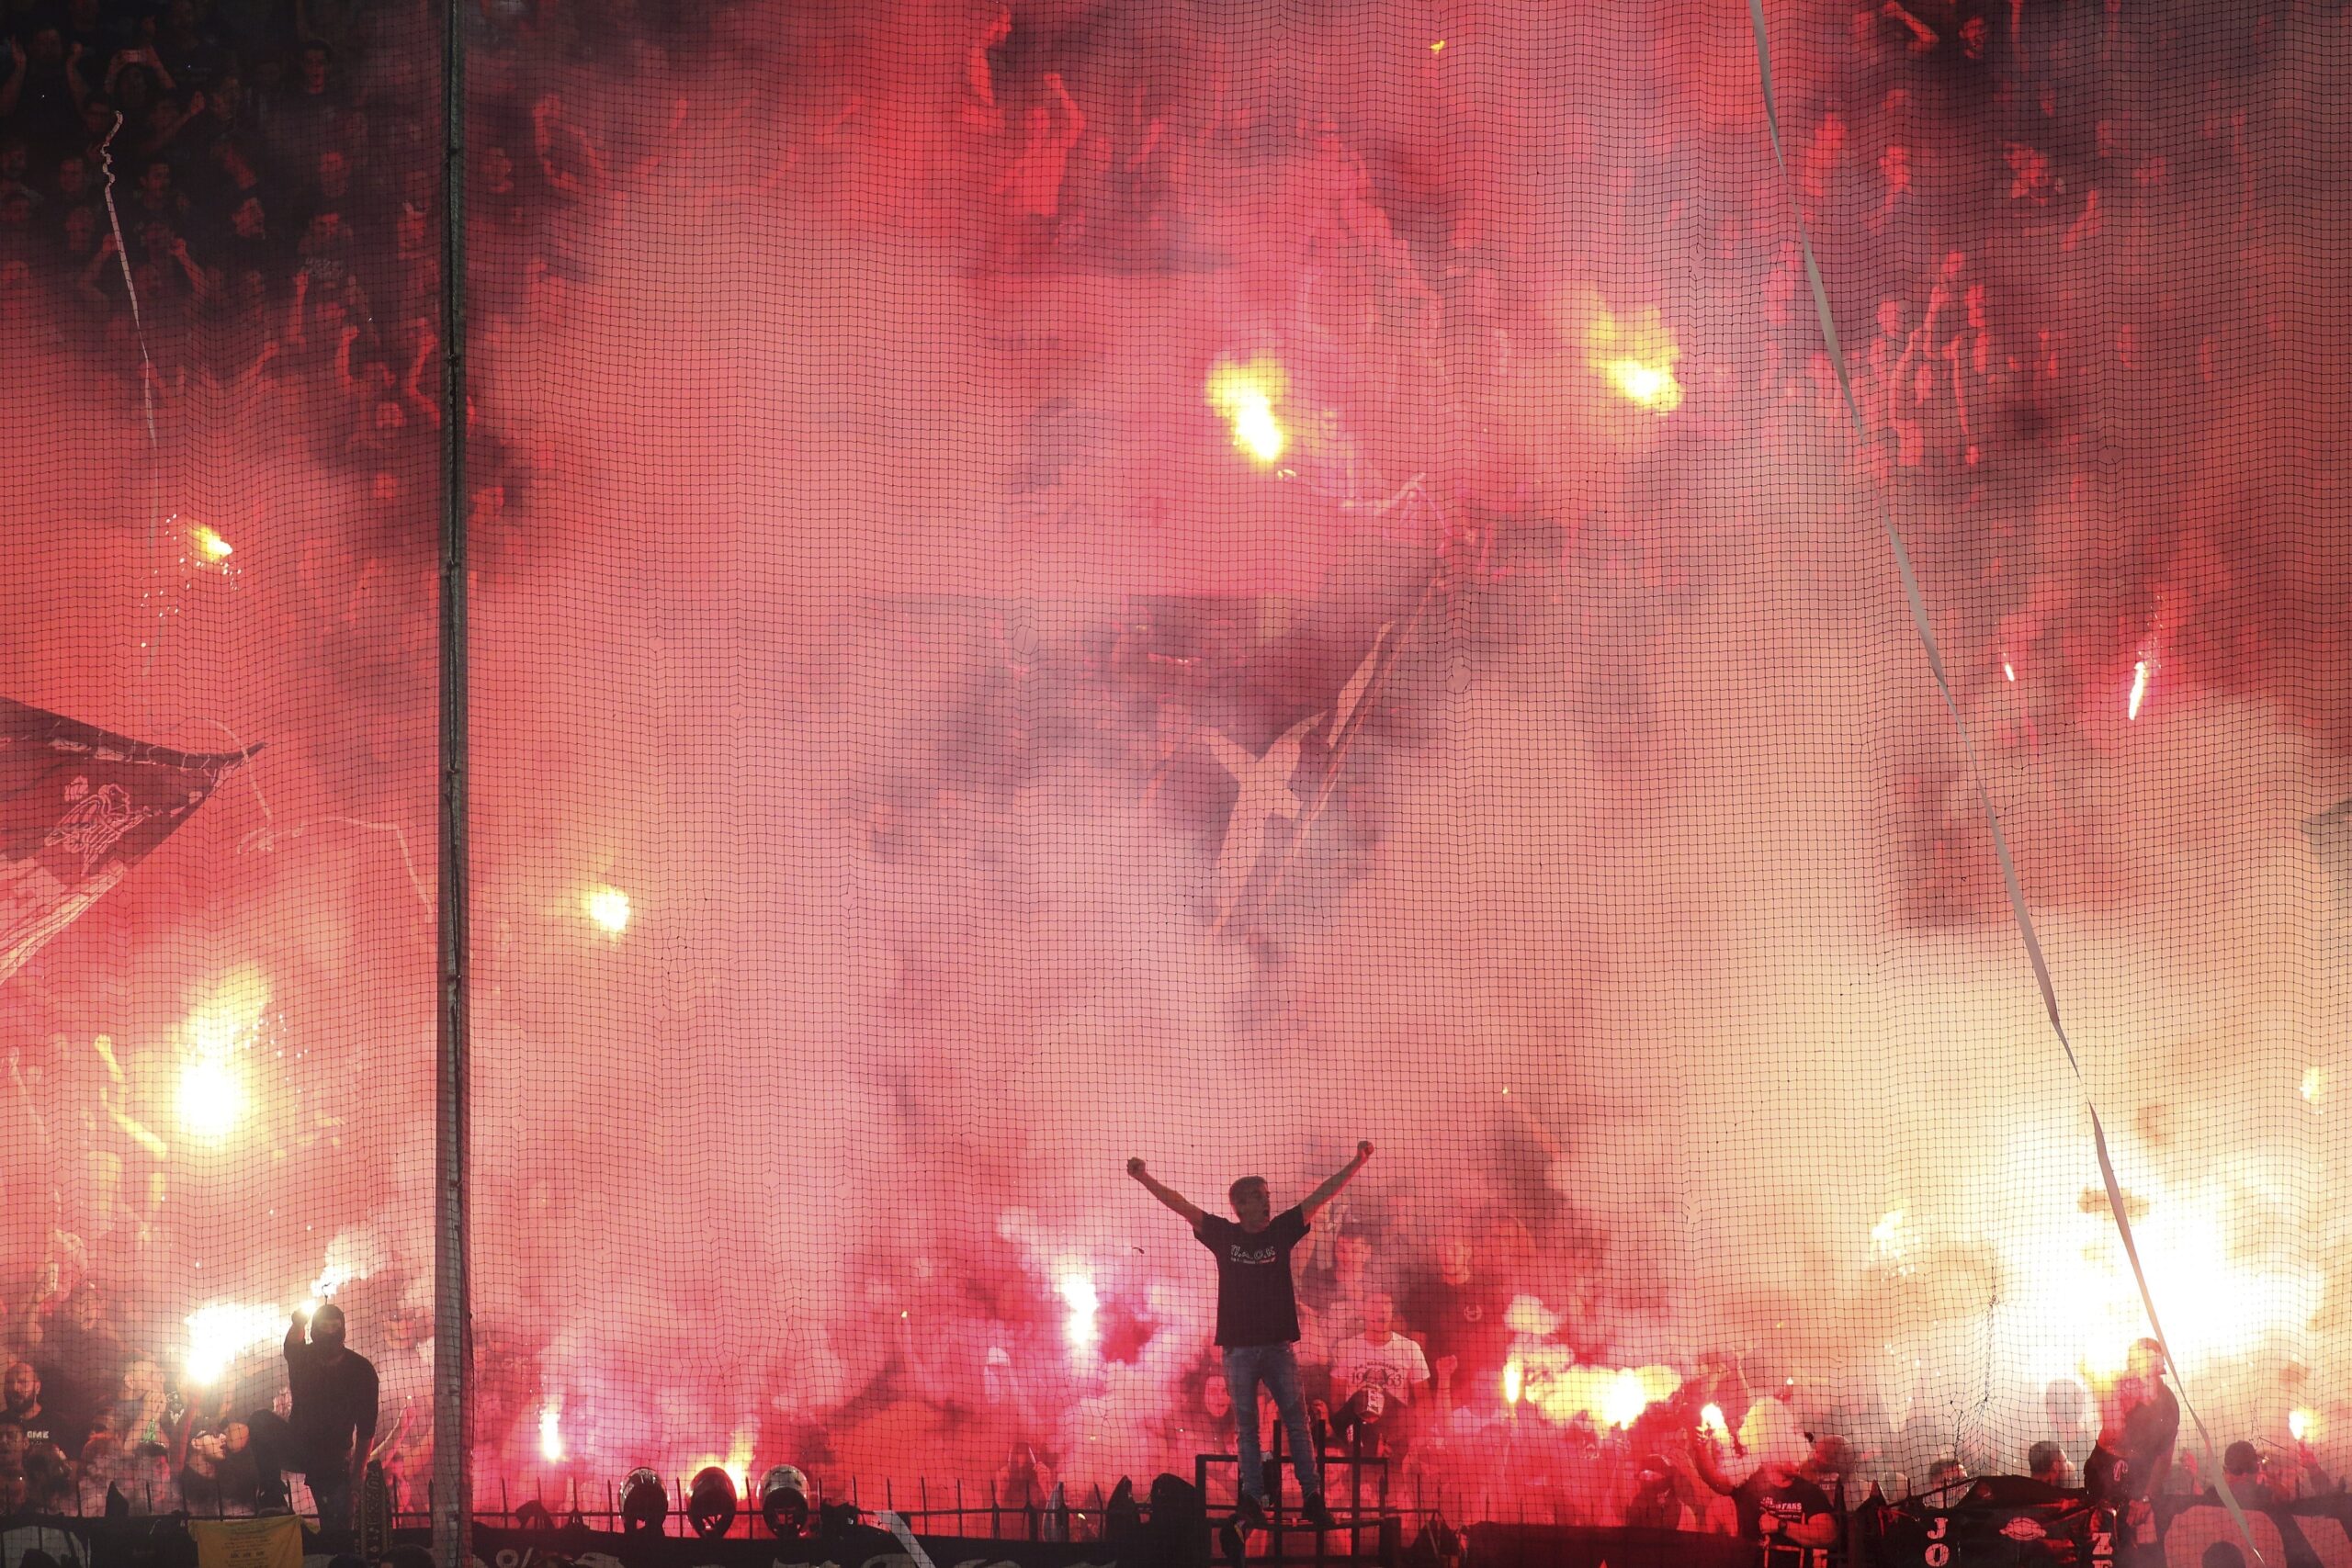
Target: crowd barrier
{"points": [[2194, 1534]]}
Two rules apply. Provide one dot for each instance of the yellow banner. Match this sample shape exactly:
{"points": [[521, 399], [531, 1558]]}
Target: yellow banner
{"points": [[248, 1543]]}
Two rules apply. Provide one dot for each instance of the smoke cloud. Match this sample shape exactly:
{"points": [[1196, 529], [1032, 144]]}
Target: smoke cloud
{"points": [[1653, 936]]}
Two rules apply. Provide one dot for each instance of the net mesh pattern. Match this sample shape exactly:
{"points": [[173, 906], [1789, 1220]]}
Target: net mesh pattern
{"points": [[1201, 583]]}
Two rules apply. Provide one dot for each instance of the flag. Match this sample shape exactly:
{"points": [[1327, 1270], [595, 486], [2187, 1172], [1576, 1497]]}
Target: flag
{"points": [[1265, 746], [274, 1541], [78, 809]]}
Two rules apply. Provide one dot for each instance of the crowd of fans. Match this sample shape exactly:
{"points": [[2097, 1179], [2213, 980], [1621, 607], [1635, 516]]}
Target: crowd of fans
{"points": [[1445, 1388], [243, 172], [261, 178]]}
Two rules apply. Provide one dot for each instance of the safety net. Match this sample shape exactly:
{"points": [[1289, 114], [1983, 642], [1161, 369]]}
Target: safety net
{"points": [[1749, 692]]}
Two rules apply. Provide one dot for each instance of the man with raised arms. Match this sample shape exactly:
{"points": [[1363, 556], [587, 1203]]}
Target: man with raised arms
{"points": [[1257, 1321]]}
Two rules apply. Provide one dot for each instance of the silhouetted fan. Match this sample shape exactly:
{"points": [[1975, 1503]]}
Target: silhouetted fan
{"points": [[1179, 1536], [1123, 1516]]}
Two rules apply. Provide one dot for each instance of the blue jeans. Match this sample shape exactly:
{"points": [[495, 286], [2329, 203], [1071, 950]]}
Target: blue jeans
{"points": [[1275, 1366]]}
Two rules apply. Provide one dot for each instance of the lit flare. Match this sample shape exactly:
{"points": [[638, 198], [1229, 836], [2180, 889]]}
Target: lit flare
{"points": [[1247, 395], [1652, 386], [1078, 1293], [607, 908], [222, 1333], [1637, 360], [211, 1098]]}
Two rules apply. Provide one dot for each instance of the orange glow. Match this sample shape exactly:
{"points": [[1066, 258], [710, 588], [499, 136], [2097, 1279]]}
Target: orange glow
{"points": [[737, 1464], [221, 1334], [1652, 386], [609, 909], [212, 1096], [1637, 360], [1078, 1293], [1247, 395]]}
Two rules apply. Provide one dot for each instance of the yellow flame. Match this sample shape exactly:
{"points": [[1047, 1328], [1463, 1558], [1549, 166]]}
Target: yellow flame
{"points": [[211, 1098], [2299, 1424], [221, 1022], [1712, 1418], [737, 1464], [208, 545], [1637, 360], [2008, 669], [1247, 395], [220, 1333], [1652, 386], [1625, 1399], [607, 907], [2315, 1084], [1437, 46], [1545, 1376], [551, 1431], [1077, 1291], [2140, 673]]}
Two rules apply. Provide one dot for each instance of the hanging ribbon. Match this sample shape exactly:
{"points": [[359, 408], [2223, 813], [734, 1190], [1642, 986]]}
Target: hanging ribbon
{"points": [[1919, 624]]}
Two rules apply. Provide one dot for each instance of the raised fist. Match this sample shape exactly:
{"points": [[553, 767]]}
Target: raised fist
{"points": [[1135, 1168], [1363, 1149]]}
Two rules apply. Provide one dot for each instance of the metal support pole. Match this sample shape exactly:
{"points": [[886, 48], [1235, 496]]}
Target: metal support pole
{"points": [[452, 1304]]}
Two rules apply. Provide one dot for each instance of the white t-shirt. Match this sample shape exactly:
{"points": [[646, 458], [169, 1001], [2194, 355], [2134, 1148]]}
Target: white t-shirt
{"points": [[1393, 1367]]}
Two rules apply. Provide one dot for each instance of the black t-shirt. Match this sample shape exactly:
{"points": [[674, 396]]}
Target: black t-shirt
{"points": [[1462, 1321], [41, 1428], [1255, 1302], [332, 1403], [1792, 1502], [2149, 1433]]}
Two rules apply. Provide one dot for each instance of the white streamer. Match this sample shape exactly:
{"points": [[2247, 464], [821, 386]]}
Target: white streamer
{"points": [[1919, 623], [122, 255], [897, 1526]]}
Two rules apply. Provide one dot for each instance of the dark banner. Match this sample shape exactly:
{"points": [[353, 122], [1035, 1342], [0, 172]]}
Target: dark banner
{"points": [[858, 1546], [2315, 1534], [1579, 1545], [2305, 1534], [78, 809]]}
